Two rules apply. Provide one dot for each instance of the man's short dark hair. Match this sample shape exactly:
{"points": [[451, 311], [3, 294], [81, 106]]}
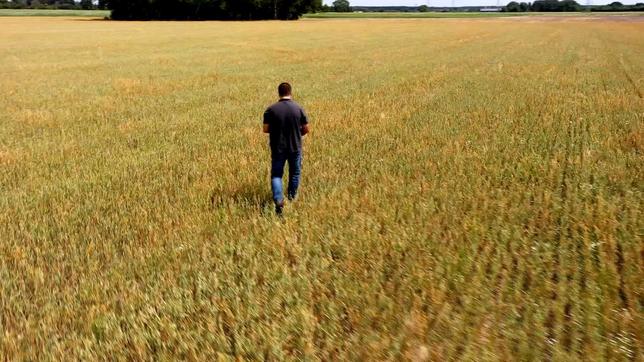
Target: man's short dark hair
{"points": [[284, 89]]}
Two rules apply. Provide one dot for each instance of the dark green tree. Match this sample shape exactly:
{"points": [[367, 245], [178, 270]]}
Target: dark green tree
{"points": [[616, 5], [65, 4], [512, 7], [210, 9], [554, 5], [86, 4], [423, 8], [569, 5], [341, 6], [18, 4]]}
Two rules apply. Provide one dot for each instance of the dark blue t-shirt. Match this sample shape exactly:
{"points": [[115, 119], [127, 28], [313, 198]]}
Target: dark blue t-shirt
{"points": [[285, 120]]}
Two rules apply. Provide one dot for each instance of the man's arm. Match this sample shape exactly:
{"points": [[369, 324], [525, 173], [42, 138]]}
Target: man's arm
{"points": [[267, 121], [305, 122]]}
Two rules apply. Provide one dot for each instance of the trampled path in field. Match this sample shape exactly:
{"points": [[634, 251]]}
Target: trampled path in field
{"points": [[471, 190]]}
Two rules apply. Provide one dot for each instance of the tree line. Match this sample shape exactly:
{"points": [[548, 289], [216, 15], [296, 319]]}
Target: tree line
{"points": [[272, 9], [53, 4], [182, 9], [211, 9], [567, 5], [340, 6]]}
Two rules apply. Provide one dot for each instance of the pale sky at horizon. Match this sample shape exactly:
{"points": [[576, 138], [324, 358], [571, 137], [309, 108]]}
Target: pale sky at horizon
{"points": [[460, 2]]}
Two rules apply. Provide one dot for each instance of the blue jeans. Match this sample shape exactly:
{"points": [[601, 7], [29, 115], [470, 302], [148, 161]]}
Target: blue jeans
{"points": [[279, 159]]}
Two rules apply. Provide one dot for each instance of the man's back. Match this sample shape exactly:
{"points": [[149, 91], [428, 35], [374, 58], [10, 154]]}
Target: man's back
{"points": [[285, 120], [286, 123]]}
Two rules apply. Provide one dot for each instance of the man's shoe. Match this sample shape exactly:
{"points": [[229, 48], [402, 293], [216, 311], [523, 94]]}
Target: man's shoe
{"points": [[279, 208]]}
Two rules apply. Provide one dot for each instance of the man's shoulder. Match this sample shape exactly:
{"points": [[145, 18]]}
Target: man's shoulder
{"points": [[294, 104], [274, 106], [284, 107]]}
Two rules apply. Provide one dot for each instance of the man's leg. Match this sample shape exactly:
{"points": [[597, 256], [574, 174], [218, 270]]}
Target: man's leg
{"points": [[294, 173], [277, 171]]}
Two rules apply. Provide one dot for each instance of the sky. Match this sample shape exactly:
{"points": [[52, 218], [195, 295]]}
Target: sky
{"points": [[459, 2]]}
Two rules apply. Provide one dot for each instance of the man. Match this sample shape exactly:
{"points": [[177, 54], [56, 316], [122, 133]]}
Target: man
{"points": [[286, 123]]}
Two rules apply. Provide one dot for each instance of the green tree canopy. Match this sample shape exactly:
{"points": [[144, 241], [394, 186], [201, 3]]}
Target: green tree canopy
{"points": [[211, 9], [512, 7], [86, 4], [554, 5], [342, 6]]}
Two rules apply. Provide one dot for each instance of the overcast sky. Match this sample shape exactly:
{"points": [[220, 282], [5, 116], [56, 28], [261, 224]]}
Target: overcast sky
{"points": [[457, 2]]}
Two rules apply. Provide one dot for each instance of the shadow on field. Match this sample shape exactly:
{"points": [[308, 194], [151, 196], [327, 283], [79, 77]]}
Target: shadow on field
{"points": [[247, 196]]}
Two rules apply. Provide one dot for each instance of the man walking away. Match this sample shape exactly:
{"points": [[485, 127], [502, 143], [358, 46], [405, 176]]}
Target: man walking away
{"points": [[286, 123]]}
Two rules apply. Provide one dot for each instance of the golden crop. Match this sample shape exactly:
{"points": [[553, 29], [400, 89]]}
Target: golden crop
{"points": [[472, 190]]}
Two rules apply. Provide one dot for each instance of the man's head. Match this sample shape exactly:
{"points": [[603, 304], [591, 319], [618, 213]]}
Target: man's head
{"points": [[284, 90]]}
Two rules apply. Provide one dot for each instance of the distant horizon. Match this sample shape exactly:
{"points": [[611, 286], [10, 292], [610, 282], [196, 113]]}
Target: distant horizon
{"points": [[447, 3]]}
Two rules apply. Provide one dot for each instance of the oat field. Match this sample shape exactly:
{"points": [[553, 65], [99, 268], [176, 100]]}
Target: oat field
{"points": [[472, 190]]}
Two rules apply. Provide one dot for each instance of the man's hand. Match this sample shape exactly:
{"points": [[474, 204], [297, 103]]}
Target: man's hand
{"points": [[267, 128], [305, 129]]}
